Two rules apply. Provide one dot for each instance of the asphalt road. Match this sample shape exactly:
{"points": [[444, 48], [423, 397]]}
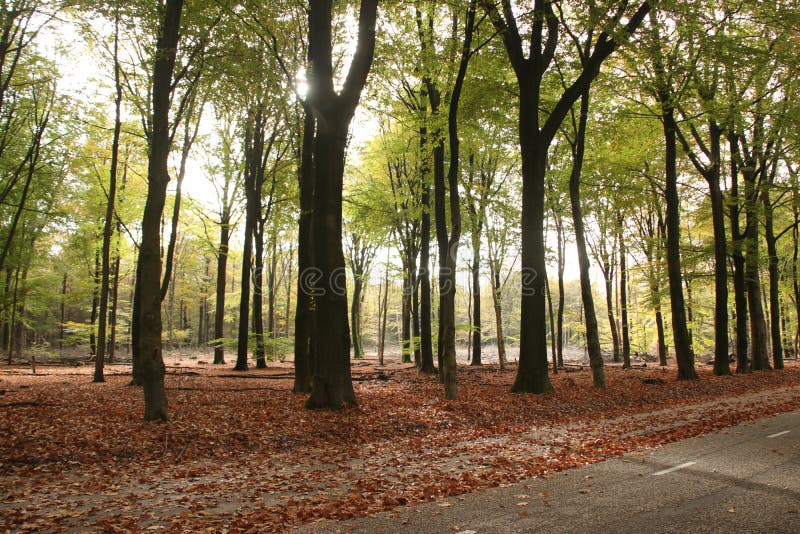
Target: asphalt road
{"points": [[743, 479]]}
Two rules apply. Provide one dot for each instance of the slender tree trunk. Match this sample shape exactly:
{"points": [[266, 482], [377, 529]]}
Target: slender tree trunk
{"points": [[383, 316], [219, 305], [304, 310], [774, 281], [355, 314], [608, 273], [476, 295], [108, 226], [623, 292], [680, 332], [426, 342], [95, 303], [415, 320], [63, 310], [552, 325], [244, 300], [739, 279], [407, 346], [150, 363], [271, 296], [587, 300], [498, 318], [112, 315], [560, 313], [258, 296]]}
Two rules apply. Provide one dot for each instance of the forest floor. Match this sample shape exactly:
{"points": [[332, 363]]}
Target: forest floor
{"points": [[240, 452]]}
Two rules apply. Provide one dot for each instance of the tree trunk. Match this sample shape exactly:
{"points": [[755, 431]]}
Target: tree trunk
{"points": [[406, 315], [560, 311], [332, 384], [608, 273], [95, 304], [623, 295], [476, 295], [272, 291], [150, 368], [222, 267], [383, 316], [552, 325], [425, 334], [355, 315], [680, 332], [498, 318], [532, 370], [258, 295], [739, 279], [304, 309], [244, 299], [774, 281], [108, 225], [758, 325], [590, 316], [63, 310]]}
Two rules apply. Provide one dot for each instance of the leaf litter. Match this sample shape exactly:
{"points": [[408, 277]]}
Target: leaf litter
{"points": [[239, 456]]}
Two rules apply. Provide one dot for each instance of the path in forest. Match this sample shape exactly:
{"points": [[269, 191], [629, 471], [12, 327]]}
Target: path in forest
{"points": [[742, 479]]}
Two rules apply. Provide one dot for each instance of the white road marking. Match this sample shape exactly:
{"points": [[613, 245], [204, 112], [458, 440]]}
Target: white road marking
{"points": [[776, 434], [671, 469]]}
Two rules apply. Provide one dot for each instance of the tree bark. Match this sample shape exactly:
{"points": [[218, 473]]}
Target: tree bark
{"points": [[150, 369], [680, 332], [332, 384], [304, 309], [739, 280], [108, 225], [476, 295], [589, 313], [623, 294]]}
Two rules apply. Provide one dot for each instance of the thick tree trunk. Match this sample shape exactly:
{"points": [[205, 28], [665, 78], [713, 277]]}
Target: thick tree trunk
{"points": [[532, 370], [332, 385], [150, 368]]}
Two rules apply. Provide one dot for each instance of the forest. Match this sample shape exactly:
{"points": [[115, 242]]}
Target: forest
{"points": [[432, 183], [268, 266]]}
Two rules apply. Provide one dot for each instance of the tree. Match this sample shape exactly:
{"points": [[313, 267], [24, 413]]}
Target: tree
{"points": [[535, 136], [332, 385], [151, 364]]}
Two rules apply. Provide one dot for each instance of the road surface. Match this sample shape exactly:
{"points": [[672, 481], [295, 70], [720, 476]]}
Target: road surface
{"points": [[743, 479]]}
